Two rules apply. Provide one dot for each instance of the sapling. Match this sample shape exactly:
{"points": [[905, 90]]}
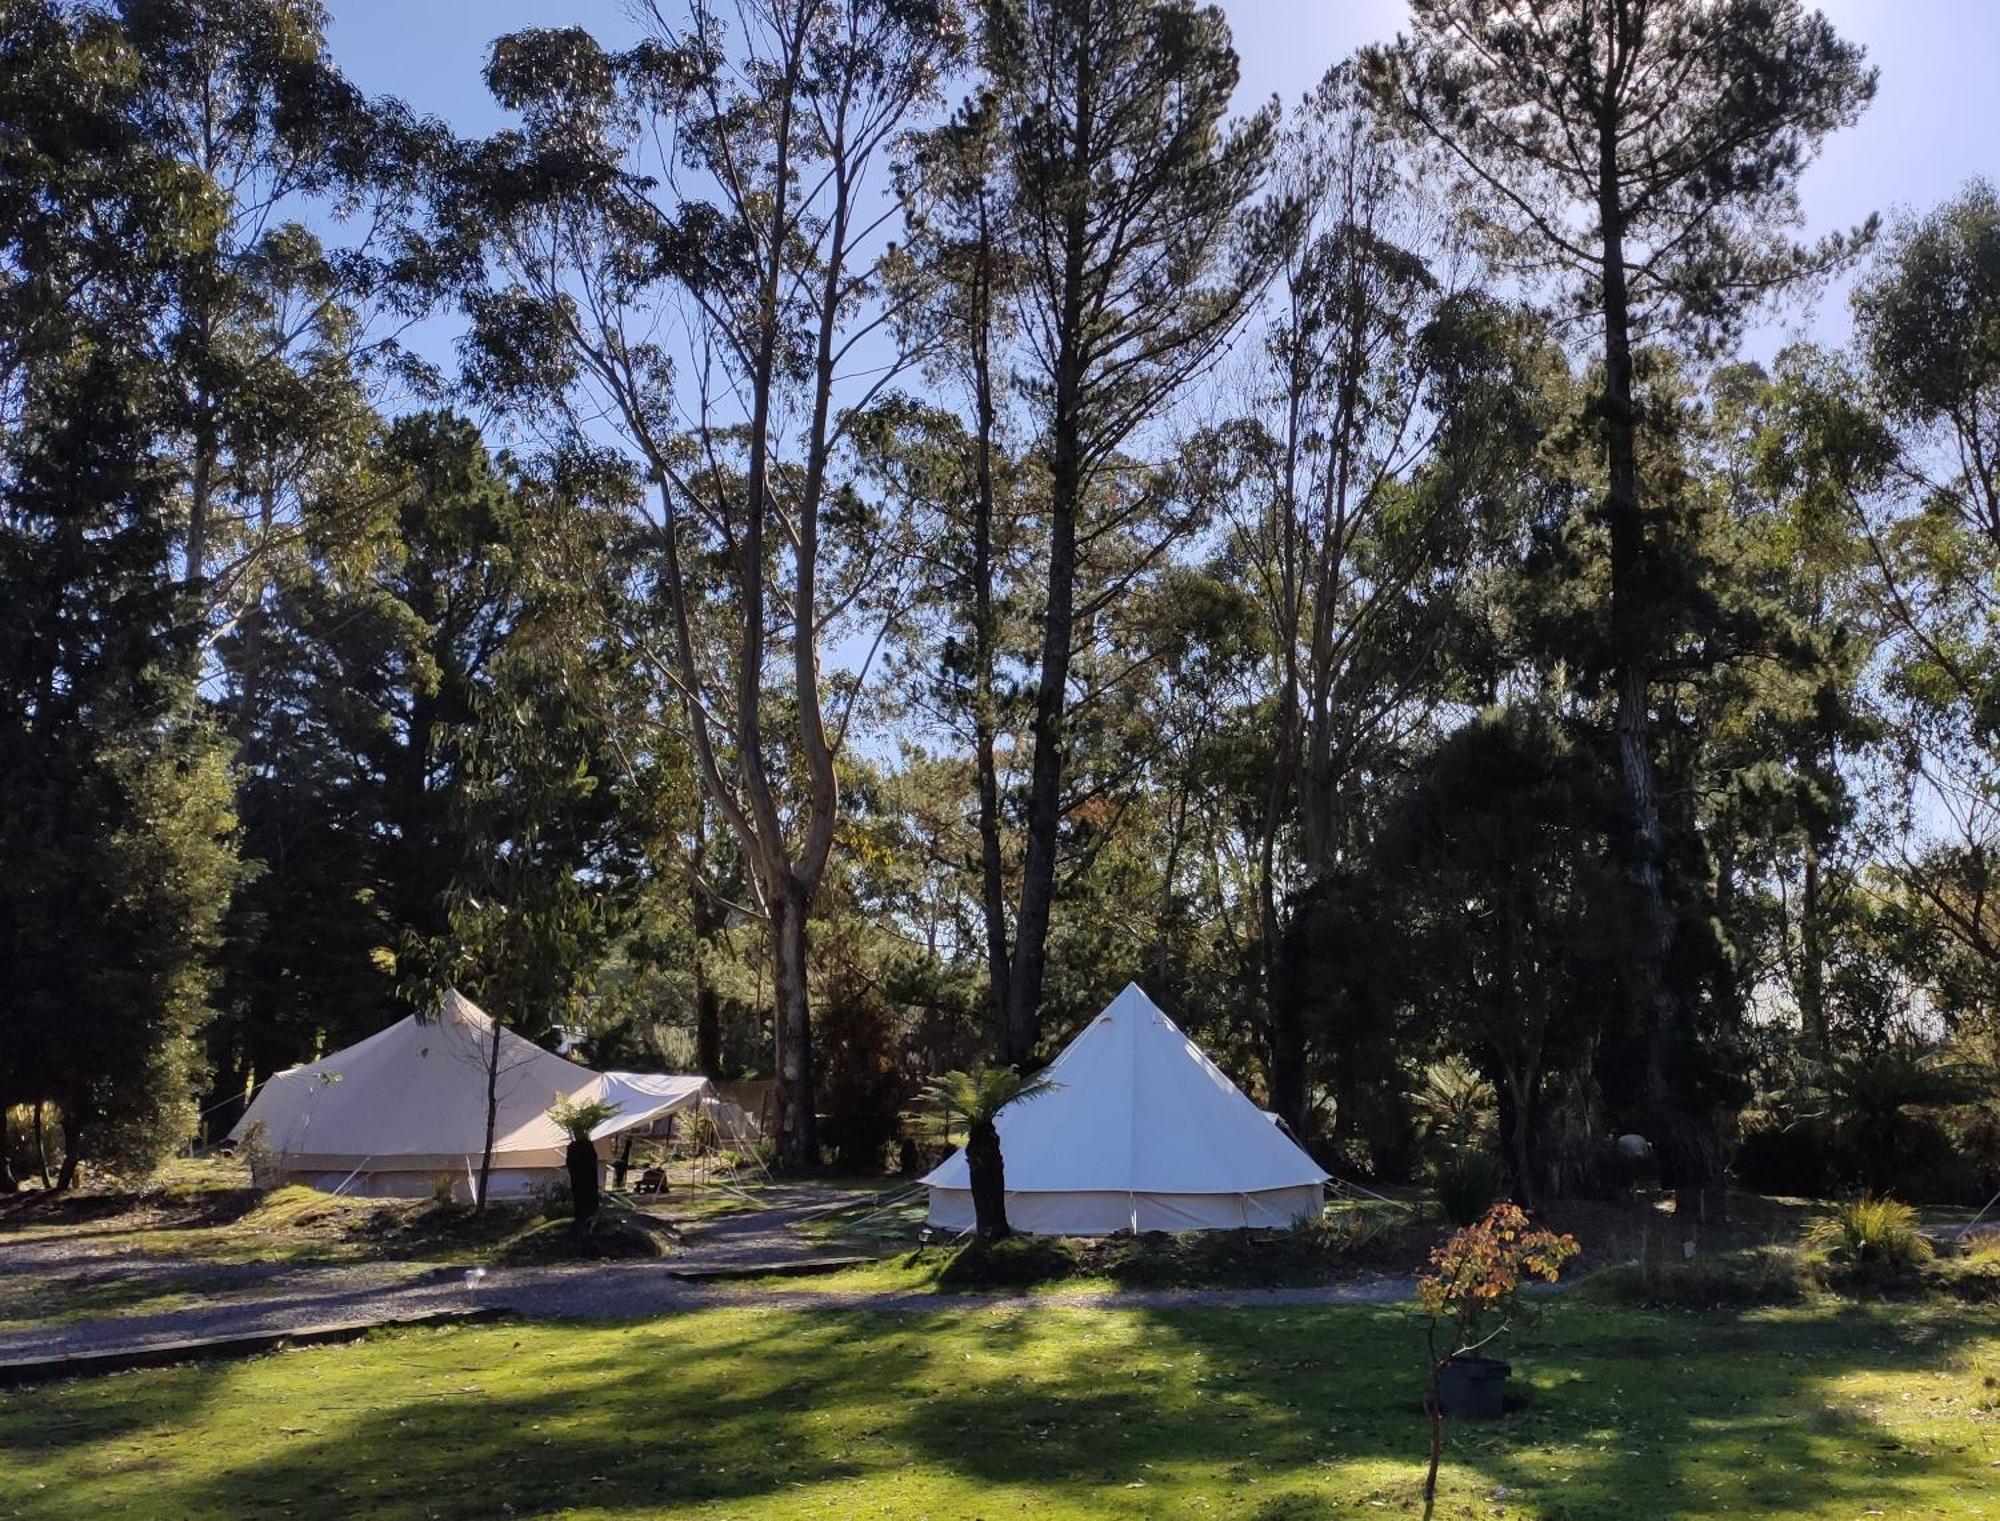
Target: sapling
{"points": [[1472, 1295]]}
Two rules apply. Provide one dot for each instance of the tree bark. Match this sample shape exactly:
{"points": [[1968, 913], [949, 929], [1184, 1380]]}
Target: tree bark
{"points": [[492, 1115], [798, 1133], [1671, 1036], [706, 920], [1038, 872], [41, 1146], [72, 1129], [580, 1157], [989, 1182], [1812, 955], [985, 638]]}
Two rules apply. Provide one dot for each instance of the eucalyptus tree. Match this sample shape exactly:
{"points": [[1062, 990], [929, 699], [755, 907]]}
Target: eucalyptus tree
{"points": [[680, 253], [1394, 415], [279, 310], [1922, 459], [967, 260], [1127, 195], [1639, 160]]}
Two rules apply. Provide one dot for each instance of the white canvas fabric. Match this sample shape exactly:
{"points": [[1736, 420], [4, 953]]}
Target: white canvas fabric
{"points": [[400, 1112], [1143, 1132], [643, 1097]]}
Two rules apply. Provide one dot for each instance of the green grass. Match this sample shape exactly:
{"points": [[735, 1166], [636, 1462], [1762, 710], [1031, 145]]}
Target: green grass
{"points": [[1820, 1411], [205, 1212]]}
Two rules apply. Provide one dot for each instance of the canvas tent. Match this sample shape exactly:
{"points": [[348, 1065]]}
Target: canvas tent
{"points": [[1142, 1132], [403, 1113]]}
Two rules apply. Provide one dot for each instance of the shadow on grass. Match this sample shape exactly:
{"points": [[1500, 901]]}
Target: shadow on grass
{"points": [[1289, 1414]]}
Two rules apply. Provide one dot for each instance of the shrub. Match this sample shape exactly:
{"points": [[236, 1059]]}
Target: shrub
{"points": [[553, 1200], [1795, 1159], [1466, 1183], [259, 1157], [1871, 1232], [1012, 1262], [1472, 1293], [1973, 1276]]}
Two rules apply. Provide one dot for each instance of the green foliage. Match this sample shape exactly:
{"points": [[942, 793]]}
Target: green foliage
{"points": [[1877, 1101], [578, 1120], [1472, 1288], [1312, 1251], [1466, 1181], [1013, 1262], [978, 1096], [1872, 1232], [862, 1085]]}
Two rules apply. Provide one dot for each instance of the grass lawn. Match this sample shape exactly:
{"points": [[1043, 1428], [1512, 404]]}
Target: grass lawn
{"points": [[205, 1211], [1827, 1410]]}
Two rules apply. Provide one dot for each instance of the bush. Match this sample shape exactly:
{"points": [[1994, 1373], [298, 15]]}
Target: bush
{"points": [[1972, 1274], [1466, 1184], [553, 1200], [1762, 1275], [257, 1155], [1871, 1232], [1796, 1159], [1015, 1262], [1309, 1252]]}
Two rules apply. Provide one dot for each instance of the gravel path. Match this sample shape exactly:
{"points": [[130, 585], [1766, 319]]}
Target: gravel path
{"points": [[602, 1291], [256, 1298]]}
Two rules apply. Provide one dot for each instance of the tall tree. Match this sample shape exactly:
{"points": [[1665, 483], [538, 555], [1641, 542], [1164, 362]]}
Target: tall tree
{"points": [[719, 179], [115, 830], [1397, 413], [289, 288], [1128, 193], [1641, 159], [1919, 456]]}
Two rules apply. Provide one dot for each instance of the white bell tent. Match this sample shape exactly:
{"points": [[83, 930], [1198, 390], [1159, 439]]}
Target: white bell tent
{"points": [[403, 1113], [1142, 1133]]}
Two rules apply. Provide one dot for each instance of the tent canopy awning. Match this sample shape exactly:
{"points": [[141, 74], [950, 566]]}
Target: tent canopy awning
{"points": [[643, 1097]]}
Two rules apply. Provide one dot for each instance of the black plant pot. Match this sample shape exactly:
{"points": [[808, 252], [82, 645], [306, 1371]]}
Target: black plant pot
{"points": [[1473, 1388]]}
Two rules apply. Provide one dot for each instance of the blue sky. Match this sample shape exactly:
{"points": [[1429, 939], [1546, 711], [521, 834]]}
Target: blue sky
{"points": [[1935, 122]]}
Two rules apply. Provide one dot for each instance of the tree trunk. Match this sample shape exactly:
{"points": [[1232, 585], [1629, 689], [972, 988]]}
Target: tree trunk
{"points": [[707, 922], [985, 640], [1812, 955], [492, 1116], [1288, 1061], [989, 1182], [41, 1146], [580, 1157], [1066, 486], [798, 1135], [72, 1129], [228, 1094], [1038, 873], [1678, 1131]]}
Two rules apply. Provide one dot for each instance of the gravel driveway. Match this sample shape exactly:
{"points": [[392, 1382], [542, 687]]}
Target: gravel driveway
{"points": [[260, 1298], [298, 1298]]}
